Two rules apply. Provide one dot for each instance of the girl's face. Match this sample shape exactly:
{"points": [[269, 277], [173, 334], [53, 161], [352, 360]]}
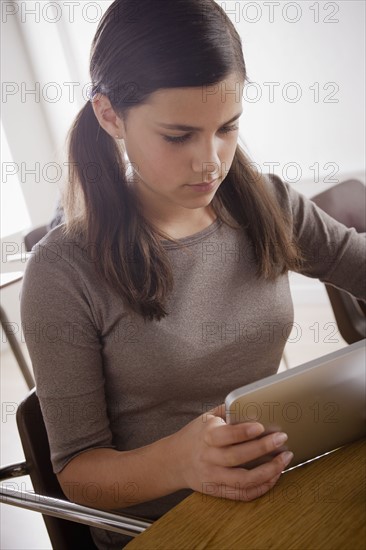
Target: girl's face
{"points": [[179, 138]]}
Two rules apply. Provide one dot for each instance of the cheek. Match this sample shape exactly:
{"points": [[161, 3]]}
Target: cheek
{"points": [[227, 152], [144, 155], [171, 166], [158, 163], [165, 156]]}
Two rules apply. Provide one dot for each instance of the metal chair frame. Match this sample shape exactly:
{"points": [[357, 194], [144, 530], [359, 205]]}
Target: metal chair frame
{"points": [[60, 515]]}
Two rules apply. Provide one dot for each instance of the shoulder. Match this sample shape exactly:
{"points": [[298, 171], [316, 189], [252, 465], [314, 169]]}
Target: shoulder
{"points": [[282, 192], [55, 258], [58, 239], [57, 246], [279, 188]]}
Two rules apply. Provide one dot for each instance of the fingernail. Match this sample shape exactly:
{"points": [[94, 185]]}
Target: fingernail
{"points": [[287, 457], [280, 438], [257, 429]]}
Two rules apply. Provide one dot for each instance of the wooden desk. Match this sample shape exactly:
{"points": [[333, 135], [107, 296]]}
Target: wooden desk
{"points": [[320, 505]]}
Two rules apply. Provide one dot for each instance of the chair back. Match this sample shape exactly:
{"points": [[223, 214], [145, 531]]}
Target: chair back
{"points": [[63, 534], [345, 202]]}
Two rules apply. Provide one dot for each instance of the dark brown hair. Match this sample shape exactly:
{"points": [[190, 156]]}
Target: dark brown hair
{"points": [[140, 47]]}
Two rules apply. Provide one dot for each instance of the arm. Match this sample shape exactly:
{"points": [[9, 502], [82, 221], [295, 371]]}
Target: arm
{"points": [[202, 456], [111, 479], [334, 253]]}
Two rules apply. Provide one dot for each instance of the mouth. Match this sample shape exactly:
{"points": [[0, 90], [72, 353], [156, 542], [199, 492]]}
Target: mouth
{"points": [[204, 186]]}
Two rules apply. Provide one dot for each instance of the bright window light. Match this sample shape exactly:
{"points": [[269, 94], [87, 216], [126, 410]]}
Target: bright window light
{"points": [[14, 213]]}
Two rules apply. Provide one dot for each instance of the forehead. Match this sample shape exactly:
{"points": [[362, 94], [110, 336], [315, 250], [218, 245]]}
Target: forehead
{"points": [[213, 102]]}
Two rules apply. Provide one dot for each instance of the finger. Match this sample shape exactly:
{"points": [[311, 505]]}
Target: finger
{"points": [[259, 475], [220, 411], [236, 455], [221, 435], [253, 491], [268, 470]]}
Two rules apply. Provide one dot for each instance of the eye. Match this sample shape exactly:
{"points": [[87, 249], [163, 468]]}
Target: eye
{"points": [[177, 139], [183, 139], [227, 129]]}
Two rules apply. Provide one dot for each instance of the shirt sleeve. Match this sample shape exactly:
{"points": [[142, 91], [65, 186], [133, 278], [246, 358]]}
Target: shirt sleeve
{"points": [[64, 346], [334, 253]]}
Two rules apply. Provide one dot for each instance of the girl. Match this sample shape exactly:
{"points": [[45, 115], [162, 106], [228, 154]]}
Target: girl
{"points": [[167, 285]]}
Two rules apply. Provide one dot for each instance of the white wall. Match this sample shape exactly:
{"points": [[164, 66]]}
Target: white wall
{"points": [[325, 61]]}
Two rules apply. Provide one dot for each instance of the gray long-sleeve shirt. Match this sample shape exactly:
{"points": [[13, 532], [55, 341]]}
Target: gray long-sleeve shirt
{"points": [[106, 379]]}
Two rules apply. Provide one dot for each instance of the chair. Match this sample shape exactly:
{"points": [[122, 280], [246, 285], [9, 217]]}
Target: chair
{"points": [[345, 202], [72, 531]]}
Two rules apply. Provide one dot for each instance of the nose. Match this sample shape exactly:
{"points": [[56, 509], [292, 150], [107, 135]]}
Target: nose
{"points": [[206, 160]]}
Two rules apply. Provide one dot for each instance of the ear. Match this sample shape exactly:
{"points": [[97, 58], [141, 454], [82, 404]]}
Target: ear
{"points": [[107, 117]]}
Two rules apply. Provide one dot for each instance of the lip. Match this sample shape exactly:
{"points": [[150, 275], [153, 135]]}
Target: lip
{"points": [[204, 187]]}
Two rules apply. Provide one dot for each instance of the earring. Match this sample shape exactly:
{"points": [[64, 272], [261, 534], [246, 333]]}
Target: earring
{"points": [[117, 136]]}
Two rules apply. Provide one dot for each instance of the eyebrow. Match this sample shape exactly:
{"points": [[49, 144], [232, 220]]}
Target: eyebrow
{"points": [[186, 128]]}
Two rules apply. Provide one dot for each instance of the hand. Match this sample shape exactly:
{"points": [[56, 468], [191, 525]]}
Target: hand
{"points": [[210, 451]]}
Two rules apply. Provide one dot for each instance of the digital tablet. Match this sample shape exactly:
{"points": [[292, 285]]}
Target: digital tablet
{"points": [[321, 404]]}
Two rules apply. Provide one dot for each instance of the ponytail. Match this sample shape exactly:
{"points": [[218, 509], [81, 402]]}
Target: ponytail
{"points": [[102, 213]]}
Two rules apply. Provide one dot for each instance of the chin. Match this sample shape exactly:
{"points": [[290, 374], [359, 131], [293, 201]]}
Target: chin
{"points": [[198, 203]]}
